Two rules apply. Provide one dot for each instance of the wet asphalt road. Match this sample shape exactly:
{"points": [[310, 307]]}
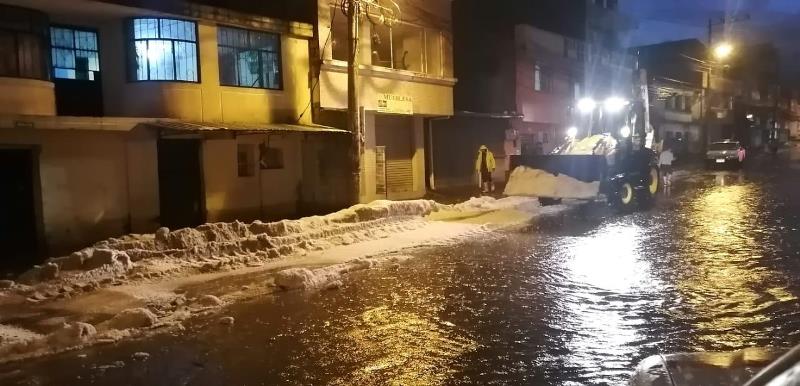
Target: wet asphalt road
{"points": [[577, 299]]}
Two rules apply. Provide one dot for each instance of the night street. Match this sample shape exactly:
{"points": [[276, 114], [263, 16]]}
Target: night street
{"points": [[400, 192], [578, 298]]}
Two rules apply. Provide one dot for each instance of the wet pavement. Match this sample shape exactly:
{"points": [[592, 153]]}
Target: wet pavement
{"points": [[576, 299]]}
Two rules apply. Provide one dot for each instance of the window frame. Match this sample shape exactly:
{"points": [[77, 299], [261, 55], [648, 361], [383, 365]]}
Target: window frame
{"points": [[543, 79], [250, 165], [74, 28], [44, 37], [279, 52], [263, 149], [130, 48]]}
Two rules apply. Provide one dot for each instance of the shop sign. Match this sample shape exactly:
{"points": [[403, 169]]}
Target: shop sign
{"points": [[395, 104]]}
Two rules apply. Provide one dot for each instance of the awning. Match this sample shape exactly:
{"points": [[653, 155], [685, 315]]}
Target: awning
{"points": [[182, 127]]}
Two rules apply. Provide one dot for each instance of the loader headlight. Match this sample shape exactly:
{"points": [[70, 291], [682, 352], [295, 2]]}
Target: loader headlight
{"points": [[572, 132], [586, 105], [614, 104], [625, 131]]}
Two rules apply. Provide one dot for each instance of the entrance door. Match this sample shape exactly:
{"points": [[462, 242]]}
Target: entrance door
{"points": [[18, 236], [180, 183]]}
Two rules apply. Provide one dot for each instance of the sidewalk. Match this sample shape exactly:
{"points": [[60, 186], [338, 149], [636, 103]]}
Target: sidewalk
{"points": [[454, 195], [140, 285]]}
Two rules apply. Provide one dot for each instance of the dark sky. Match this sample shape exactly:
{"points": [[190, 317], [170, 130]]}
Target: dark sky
{"points": [[771, 20]]}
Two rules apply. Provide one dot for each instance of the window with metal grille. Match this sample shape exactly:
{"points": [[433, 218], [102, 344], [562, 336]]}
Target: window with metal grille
{"points": [[163, 49], [270, 157], [23, 43], [249, 58], [75, 53]]}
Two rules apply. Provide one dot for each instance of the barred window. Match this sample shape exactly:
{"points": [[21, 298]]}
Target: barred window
{"points": [[249, 58], [74, 52], [23, 43], [163, 49]]}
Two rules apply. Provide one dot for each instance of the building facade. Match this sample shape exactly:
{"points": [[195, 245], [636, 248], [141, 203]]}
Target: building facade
{"points": [[521, 66], [405, 80], [761, 109], [677, 83], [117, 117]]}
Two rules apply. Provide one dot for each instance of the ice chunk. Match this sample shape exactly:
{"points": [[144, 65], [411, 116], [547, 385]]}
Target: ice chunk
{"points": [[132, 318]]}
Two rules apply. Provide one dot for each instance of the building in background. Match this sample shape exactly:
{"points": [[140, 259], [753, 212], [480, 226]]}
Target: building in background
{"points": [[792, 100], [405, 82], [520, 66], [677, 82], [123, 116], [761, 114]]}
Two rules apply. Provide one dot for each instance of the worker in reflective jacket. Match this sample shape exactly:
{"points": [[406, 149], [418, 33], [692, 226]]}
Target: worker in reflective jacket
{"points": [[484, 165]]}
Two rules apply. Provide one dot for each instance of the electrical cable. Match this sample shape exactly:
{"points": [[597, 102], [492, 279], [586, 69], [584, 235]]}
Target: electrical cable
{"points": [[319, 68]]}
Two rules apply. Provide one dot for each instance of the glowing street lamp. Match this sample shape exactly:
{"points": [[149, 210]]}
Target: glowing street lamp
{"points": [[723, 50]]}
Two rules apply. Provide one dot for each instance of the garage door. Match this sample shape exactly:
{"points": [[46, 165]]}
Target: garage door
{"points": [[395, 134]]}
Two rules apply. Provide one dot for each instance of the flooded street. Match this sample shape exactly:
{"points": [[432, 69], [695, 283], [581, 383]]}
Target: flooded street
{"points": [[576, 299]]}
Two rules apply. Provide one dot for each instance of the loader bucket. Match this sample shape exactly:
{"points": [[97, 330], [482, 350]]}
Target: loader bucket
{"points": [[556, 176], [585, 168]]}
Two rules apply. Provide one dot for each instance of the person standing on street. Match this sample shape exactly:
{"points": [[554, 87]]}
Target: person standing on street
{"points": [[741, 154], [665, 160], [485, 165]]}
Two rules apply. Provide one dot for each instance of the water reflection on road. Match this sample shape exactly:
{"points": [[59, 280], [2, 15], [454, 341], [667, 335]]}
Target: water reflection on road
{"points": [[578, 299]]}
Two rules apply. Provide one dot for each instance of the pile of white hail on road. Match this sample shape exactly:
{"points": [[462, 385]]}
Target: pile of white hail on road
{"points": [[526, 181]]}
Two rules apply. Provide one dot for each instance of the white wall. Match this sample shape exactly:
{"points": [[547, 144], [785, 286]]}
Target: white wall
{"points": [[269, 194], [84, 187]]}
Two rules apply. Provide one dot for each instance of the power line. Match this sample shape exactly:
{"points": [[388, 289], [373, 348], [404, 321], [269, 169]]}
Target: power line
{"points": [[319, 68]]}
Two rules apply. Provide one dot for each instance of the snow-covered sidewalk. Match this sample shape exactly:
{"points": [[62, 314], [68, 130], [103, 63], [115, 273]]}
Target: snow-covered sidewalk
{"points": [[143, 284]]}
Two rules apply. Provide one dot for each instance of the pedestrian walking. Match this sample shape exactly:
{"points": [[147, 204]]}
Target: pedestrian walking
{"points": [[665, 160], [484, 166]]}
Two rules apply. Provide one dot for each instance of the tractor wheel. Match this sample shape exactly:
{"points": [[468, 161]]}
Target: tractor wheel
{"points": [[626, 198], [655, 181]]}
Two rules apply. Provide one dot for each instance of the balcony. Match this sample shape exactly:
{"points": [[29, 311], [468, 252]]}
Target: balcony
{"points": [[25, 86]]}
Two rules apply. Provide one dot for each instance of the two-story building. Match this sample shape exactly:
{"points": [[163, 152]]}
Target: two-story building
{"points": [[759, 118], [521, 67], [122, 116], [677, 82], [405, 81]]}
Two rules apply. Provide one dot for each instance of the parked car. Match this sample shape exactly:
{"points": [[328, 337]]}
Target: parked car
{"points": [[725, 153]]}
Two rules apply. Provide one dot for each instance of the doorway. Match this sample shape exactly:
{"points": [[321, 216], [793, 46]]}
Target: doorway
{"points": [[19, 239], [395, 134], [180, 183]]}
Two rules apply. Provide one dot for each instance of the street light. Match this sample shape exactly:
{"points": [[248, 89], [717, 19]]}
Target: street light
{"points": [[586, 105], [723, 50]]}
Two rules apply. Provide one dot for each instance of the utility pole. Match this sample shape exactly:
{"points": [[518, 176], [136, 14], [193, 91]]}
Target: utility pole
{"points": [[385, 12], [705, 107], [353, 10]]}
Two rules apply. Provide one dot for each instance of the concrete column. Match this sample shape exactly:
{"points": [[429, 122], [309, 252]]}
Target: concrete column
{"points": [[418, 160], [368, 173]]}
